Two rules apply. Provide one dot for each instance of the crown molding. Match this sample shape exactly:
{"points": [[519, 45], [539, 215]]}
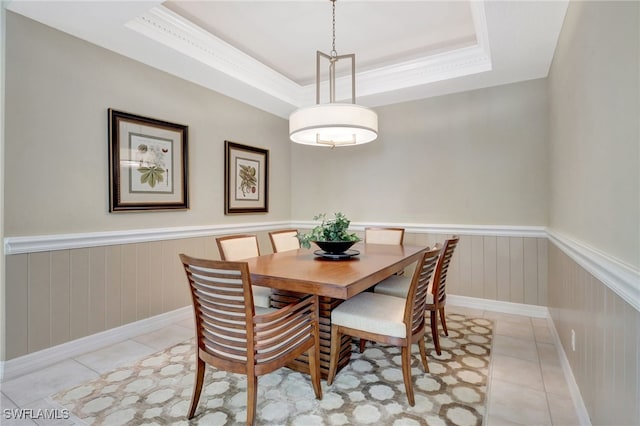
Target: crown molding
{"points": [[172, 30]]}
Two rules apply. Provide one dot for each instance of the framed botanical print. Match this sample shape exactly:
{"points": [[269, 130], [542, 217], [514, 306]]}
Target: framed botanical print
{"points": [[246, 182], [148, 161]]}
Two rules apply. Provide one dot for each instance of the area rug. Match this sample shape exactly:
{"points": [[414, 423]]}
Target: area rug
{"points": [[368, 391]]}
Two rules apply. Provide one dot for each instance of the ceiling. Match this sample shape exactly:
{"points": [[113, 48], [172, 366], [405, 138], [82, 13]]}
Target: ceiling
{"points": [[264, 52]]}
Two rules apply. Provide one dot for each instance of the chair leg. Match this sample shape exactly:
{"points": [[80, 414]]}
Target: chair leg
{"points": [[314, 369], [434, 331], [363, 343], [443, 321], [335, 351], [423, 354], [197, 387], [252, 397], [406, 374]]}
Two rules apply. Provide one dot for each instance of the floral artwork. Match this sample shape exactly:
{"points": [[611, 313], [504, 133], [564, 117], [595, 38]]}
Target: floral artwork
{"points": [[247, 179], [153, 157], [246, 170]]}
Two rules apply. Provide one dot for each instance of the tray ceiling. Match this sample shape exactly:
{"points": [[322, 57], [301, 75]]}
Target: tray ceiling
{"points": [[263, 52]]}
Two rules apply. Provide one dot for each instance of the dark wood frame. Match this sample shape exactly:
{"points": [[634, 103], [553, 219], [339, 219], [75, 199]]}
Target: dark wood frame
{"points": [[238, 206], [118, 188]]}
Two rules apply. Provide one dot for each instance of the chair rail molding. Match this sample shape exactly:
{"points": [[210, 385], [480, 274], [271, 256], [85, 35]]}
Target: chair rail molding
{"points": [[623, 279], [39, 243]]}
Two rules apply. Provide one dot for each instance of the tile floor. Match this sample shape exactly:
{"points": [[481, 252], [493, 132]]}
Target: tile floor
{"points": [[526, 384]]}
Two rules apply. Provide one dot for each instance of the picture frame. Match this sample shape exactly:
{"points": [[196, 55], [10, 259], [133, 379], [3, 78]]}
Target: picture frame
{"points": [[148, 164], [246, 179]]}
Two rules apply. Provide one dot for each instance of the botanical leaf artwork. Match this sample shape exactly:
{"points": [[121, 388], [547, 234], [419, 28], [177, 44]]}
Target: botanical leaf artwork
{"points": [[248, 180], [152, 168]]}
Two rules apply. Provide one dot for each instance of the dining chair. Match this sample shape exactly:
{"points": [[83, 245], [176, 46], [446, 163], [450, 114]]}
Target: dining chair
{"points": [[437, 295], [235, 336], [240, 247], [284, 240], [382, 235], [388, 320]]}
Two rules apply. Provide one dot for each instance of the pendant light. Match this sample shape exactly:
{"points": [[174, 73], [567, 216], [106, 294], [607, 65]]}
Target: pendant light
{"points": [[333, 124]]}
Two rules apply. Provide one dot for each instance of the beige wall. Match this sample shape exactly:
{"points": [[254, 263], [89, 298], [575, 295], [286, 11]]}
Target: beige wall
{"points": [[595, 136], [59, 89], [595, 199], [478, 157]]}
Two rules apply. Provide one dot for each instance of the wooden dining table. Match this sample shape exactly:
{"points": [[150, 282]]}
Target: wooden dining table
{"points": [[295, 274]]}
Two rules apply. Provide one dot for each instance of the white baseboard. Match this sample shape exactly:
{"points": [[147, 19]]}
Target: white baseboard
{"points": [[37, 360], [574, 390], [499, 306]]}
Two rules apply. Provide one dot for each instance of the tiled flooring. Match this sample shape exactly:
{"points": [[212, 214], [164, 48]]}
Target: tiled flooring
{"points": [[526, 384]]}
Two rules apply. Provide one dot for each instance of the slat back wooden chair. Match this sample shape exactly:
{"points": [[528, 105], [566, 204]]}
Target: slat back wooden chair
{"points": [[384, 235], [284, 240], [239, 247], [232, 337], [388, 320], [437, 296]]}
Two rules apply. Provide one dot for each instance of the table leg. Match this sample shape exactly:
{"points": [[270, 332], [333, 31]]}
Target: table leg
{"points": [[281, 298]]}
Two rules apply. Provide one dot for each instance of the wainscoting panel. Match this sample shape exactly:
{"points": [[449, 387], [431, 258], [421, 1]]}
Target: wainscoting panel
{"points": [[60, 295], [63, 295], [606, 360], [509, 269]]}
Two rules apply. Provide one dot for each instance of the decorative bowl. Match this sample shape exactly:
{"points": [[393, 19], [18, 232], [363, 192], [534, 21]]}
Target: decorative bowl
{"points": [[334, 247]]}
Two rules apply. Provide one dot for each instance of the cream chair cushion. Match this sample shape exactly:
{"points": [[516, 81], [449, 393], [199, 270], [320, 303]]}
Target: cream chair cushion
{"points": [[261, 296], [244, 248], [398, 286], [285, 241], [383, 236], [240, 248], [374, 313]]}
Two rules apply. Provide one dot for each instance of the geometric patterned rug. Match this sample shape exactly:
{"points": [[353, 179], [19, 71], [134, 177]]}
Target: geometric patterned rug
{"points": [[368, 391]]}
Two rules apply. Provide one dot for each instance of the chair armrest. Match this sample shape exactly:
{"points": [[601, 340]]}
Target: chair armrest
{"points": [[285, 311]]}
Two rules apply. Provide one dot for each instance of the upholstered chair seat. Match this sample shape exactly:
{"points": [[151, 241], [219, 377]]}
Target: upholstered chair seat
{"points": [[436, 296], [387, 320]]}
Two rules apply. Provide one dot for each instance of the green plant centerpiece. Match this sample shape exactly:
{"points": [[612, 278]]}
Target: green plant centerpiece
{"points": [[329, 234]]}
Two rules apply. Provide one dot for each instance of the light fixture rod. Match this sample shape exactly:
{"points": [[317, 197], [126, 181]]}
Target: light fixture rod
{"points": [[332, 76]]}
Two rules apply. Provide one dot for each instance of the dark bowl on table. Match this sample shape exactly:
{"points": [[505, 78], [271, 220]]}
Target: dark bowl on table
{"points": [[334, 247]]}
